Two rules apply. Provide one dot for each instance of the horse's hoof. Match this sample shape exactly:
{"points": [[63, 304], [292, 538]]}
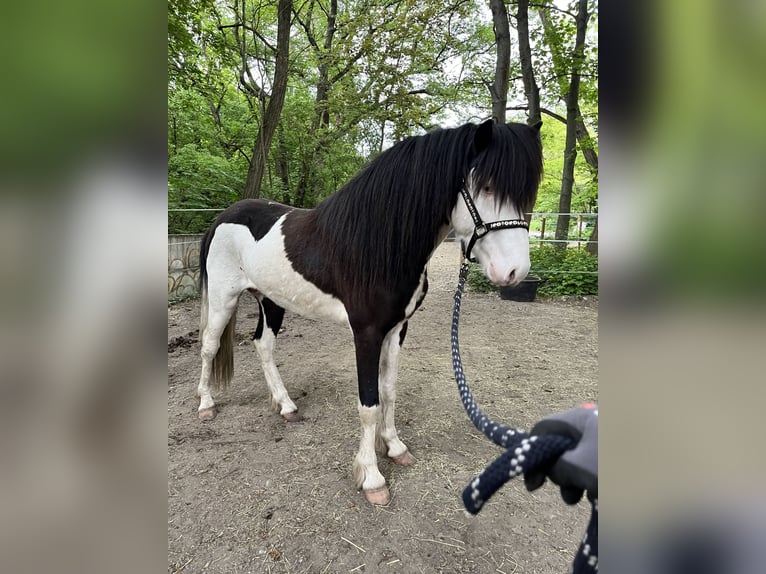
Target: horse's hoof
{"points": [[378, 496], [404, 459], [207, 414], [293, 417]]}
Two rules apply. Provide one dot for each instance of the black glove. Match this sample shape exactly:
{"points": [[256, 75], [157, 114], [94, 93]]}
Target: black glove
{"points": [[576, 470]]}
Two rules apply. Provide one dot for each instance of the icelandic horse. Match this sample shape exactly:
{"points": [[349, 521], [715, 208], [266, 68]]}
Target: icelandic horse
{"points": [[360, 258]]}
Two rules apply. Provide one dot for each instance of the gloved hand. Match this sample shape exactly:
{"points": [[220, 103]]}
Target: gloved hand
{"points": [[576, 470]]}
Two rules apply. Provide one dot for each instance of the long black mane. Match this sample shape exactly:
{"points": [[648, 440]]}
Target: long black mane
{"points": [[384, 222]]}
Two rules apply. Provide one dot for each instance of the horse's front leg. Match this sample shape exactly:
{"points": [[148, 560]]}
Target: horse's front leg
{"points": [[388, 442], [368, 342]]}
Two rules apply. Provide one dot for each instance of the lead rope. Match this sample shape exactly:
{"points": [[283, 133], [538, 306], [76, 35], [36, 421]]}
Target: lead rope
{"points": [[523, 452]]}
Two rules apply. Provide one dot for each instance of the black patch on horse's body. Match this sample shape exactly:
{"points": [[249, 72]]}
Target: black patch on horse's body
{"points": [[271, 314], [403, 333], [423, 294]]}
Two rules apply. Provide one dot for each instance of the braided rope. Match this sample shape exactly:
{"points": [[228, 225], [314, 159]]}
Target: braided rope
{"points": [[523, 452]]}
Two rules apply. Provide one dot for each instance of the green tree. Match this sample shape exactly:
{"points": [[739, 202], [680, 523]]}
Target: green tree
{"points": [[359, 75], [570, 66], [273, 110]]}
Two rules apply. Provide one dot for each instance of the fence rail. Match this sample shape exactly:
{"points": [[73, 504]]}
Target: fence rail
{"points": [[185, 209], [183, 249]]}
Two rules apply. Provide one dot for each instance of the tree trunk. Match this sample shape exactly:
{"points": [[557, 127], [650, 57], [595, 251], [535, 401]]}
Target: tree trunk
{"points": [[592, 245], [583, 136], [283, 166], [313, 158], [499, 88], [531, 91], [323, 86], [276, 101], [567, 184], [570, 149], [586, 144]]}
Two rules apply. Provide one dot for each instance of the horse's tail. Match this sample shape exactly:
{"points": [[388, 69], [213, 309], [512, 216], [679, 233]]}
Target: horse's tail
{"points": [[204, 248], [223, 362]]}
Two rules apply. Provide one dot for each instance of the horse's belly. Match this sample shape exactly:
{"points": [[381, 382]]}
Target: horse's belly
{"points": [[308, 301]]}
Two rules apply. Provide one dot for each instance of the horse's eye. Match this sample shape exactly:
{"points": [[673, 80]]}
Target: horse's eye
{"points": [[487, 189]]}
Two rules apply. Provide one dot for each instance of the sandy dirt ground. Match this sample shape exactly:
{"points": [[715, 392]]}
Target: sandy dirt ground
{"points": [[248, 492]]}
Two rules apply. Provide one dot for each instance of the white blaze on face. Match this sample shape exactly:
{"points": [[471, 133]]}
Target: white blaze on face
{"points": [[503, 254]]}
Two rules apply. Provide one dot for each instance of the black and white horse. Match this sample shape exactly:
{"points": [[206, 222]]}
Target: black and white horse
{"points": [[360, 258]]}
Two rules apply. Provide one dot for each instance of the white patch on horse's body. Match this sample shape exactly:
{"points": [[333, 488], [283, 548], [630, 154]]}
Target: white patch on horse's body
{"points": [[412, 305], [267, 270], [390, 444], [365, 467], [265, 346]]}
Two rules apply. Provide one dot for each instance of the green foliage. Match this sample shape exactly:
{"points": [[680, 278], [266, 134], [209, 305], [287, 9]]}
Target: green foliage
{"points": [[564, 272], [199, 179], [478, 282], [387, 71], [585, 190], [568, 272]]}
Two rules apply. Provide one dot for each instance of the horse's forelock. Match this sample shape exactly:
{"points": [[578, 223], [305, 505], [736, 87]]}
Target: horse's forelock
{"points": [[512, 165]]}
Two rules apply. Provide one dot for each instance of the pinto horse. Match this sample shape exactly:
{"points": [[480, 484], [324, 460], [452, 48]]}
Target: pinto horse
{"points": [[360, 258]]}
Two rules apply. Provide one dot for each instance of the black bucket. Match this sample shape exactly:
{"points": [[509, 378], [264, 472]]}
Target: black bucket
{"points": [[524, 291]]}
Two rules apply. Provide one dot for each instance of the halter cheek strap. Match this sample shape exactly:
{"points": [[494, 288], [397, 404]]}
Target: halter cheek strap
{"points": [[480, 228]]}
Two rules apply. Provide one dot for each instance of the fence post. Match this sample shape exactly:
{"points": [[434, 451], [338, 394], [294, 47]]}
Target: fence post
{"points": [[542, 230]]}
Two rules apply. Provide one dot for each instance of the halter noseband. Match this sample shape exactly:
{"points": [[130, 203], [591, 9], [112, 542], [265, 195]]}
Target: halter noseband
{"points": [[480, 228]]}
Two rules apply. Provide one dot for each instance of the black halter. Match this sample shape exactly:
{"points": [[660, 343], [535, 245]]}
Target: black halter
{"points": [[480, 228]]}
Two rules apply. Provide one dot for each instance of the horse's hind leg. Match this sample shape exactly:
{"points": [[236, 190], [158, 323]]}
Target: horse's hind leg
{"points": [[216, 336], [387, 440], [265, 338]]}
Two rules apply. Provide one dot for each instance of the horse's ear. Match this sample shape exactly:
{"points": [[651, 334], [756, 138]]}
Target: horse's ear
{"points": [[537, 125], [483, 136]]}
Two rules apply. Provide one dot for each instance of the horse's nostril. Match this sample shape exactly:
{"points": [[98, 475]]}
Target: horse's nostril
{"points": [[511, 275]]}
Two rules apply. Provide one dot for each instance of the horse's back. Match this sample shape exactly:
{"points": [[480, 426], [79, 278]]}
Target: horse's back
{"points": [[258, 215]]}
